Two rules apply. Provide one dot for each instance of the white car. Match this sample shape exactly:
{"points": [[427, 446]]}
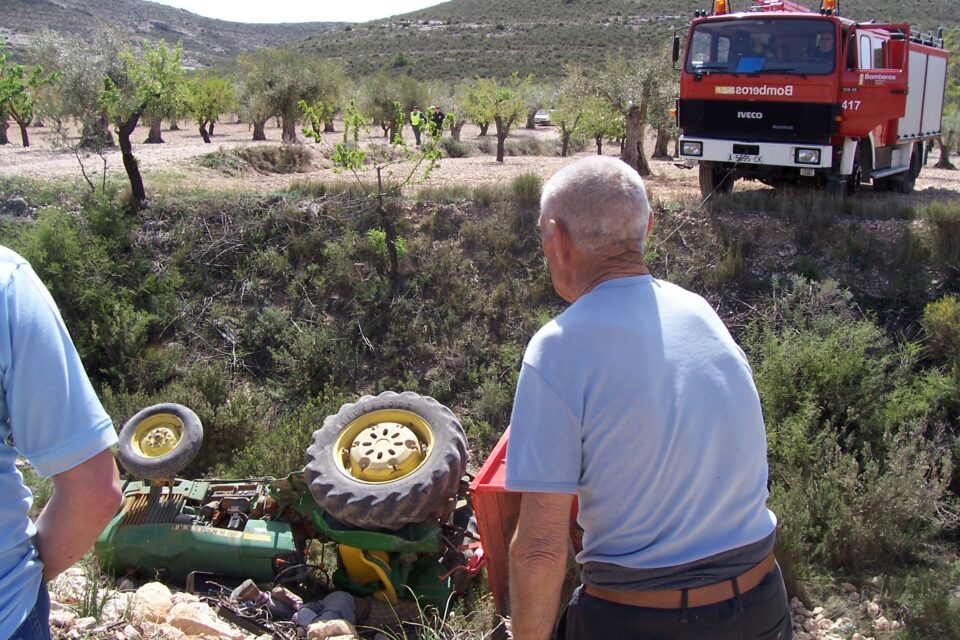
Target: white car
{"points": [[542, 118]]}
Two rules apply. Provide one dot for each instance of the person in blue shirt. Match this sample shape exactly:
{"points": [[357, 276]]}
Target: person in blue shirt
{"points": [[50, 415], [637, 401]]}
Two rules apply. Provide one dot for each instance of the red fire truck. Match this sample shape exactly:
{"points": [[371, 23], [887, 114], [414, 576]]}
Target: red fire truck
{"points": [[785, 95]]}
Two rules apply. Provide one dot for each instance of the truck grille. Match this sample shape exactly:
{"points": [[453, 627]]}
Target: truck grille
{"points": [[762, 121]]}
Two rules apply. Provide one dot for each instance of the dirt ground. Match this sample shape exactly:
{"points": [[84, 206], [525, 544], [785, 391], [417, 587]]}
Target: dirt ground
{"points": [[177, 158]]}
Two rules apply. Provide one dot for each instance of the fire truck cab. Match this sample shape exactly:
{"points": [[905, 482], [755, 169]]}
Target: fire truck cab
{"points": [[785, 95]]}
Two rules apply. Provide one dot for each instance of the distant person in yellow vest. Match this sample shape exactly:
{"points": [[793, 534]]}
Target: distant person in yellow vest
{"points": [[417, 120]]}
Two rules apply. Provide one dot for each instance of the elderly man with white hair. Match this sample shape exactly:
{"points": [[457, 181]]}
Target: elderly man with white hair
{"points": [[637, 401]]}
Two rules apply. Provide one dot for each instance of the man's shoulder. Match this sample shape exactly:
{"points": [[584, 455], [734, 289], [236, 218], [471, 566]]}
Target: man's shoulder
{"points": [[10, 262]]}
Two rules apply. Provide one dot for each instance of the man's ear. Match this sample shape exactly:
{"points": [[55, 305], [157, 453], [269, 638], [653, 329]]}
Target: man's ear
{"points": [[562, 240]]}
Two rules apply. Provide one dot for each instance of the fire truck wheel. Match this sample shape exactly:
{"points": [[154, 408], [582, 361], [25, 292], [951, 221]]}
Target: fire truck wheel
{"points": [[387, 461], [714, 179], [905, 182], [160, 441]]}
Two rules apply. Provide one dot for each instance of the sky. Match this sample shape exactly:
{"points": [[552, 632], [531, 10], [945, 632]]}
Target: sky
{"points": [[299, 10]]}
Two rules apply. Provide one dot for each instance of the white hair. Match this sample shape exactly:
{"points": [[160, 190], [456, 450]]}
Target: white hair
{"points": [[601, 201]]}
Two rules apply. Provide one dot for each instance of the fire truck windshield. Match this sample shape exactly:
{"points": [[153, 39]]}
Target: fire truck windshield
{"points": [[805, 46]]}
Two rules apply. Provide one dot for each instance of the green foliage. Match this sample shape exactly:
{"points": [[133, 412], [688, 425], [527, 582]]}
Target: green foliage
{"points": [[858, 471], [150, 84], [925, 594], [453, 148], [944, 220], [285, 158], [526, 189], [18, 88], [378, 240], [941, 326], [207, 96]]}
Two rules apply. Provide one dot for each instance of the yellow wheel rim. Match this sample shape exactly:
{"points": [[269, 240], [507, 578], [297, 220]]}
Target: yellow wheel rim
{"points": [[157, 435], [383, 446]]}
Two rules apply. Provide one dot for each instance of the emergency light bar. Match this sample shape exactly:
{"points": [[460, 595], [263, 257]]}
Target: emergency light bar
{"points": [[721, 7]]}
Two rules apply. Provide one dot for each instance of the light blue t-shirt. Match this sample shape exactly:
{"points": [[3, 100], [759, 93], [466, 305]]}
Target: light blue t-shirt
{"points": [[49, 414], [638, 400]]}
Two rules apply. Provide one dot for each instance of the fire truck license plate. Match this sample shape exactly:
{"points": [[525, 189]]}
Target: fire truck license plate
{"points": [[744, 158]]}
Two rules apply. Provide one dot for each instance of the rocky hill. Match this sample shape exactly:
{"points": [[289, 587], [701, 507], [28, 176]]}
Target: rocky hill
{"points": [[205, 41], [451, 40]]}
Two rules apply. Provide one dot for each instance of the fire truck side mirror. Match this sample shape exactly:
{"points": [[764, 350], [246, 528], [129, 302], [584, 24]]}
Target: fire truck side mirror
{"points": [[676, 49]]}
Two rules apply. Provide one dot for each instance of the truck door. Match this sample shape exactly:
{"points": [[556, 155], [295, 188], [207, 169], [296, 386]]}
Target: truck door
{"points": [[873, 79]]}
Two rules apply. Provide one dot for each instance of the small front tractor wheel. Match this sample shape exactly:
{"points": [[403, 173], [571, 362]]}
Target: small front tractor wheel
{"points": [[387, 461], [160, 441]]}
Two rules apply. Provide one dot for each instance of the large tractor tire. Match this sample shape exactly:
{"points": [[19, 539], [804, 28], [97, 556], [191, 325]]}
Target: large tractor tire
{"points": [[387, 461], [714, 179], [905, 182], [160, 441]]}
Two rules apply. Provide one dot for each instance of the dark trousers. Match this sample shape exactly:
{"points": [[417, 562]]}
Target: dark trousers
{"points": [[37, 624], [760, 614], [416, 134]]}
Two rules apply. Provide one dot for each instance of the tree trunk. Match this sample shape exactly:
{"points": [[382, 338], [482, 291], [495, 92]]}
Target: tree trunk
{"points": [[24, 136], [289, 123], [210, 127], [4, 125], [259, 133], [661, 149], [130, 162], [483, 128], [676, 146], [328, 126], [598, 140], [633, 143], [155, 137], [455, 128], [174, 125], [944, 161], [204, 134], [502, 130], [96, 135], [531, 123], [564, 141]]}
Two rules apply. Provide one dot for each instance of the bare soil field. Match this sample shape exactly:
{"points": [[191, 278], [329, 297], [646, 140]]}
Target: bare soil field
{"points": [[178, 158]]}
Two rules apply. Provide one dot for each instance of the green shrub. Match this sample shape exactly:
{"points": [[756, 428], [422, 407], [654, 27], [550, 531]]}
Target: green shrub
{"points": [[454, 148], [530, 146], [284, 158], [926, 596], [526, 190], [941, 326], [444, 194], [944, 219], [487, 194], [486, 145]]}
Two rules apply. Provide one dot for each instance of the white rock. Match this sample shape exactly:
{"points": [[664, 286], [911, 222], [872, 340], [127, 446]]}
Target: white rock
{"points": [[119, 605], [809, 626], [894, 625], [881, 624], [151, 603], [70, 586], [847, 587], [62, 618], [167, 632], [332, 629], [198, 619], [825, 623], [873, 609], [858, 636], [817, 611], [854, 597], [85, 624], [132, 632], [182, 596]]}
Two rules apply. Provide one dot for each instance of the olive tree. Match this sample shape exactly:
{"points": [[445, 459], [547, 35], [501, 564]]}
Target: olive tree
{"points": [[206, 97], [18, 89], [950, 125], [386, 99], [279, 79], [629, 88], [504, 103], [149, 84], [82, 66]]}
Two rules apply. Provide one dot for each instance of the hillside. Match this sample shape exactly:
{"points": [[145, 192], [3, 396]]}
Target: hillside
{"points": [[495, 37], [452, 40], [206, 41]]}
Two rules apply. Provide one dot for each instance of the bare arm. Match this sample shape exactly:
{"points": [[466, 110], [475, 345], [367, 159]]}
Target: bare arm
{"points": [[538, 561], [84, 500]]}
